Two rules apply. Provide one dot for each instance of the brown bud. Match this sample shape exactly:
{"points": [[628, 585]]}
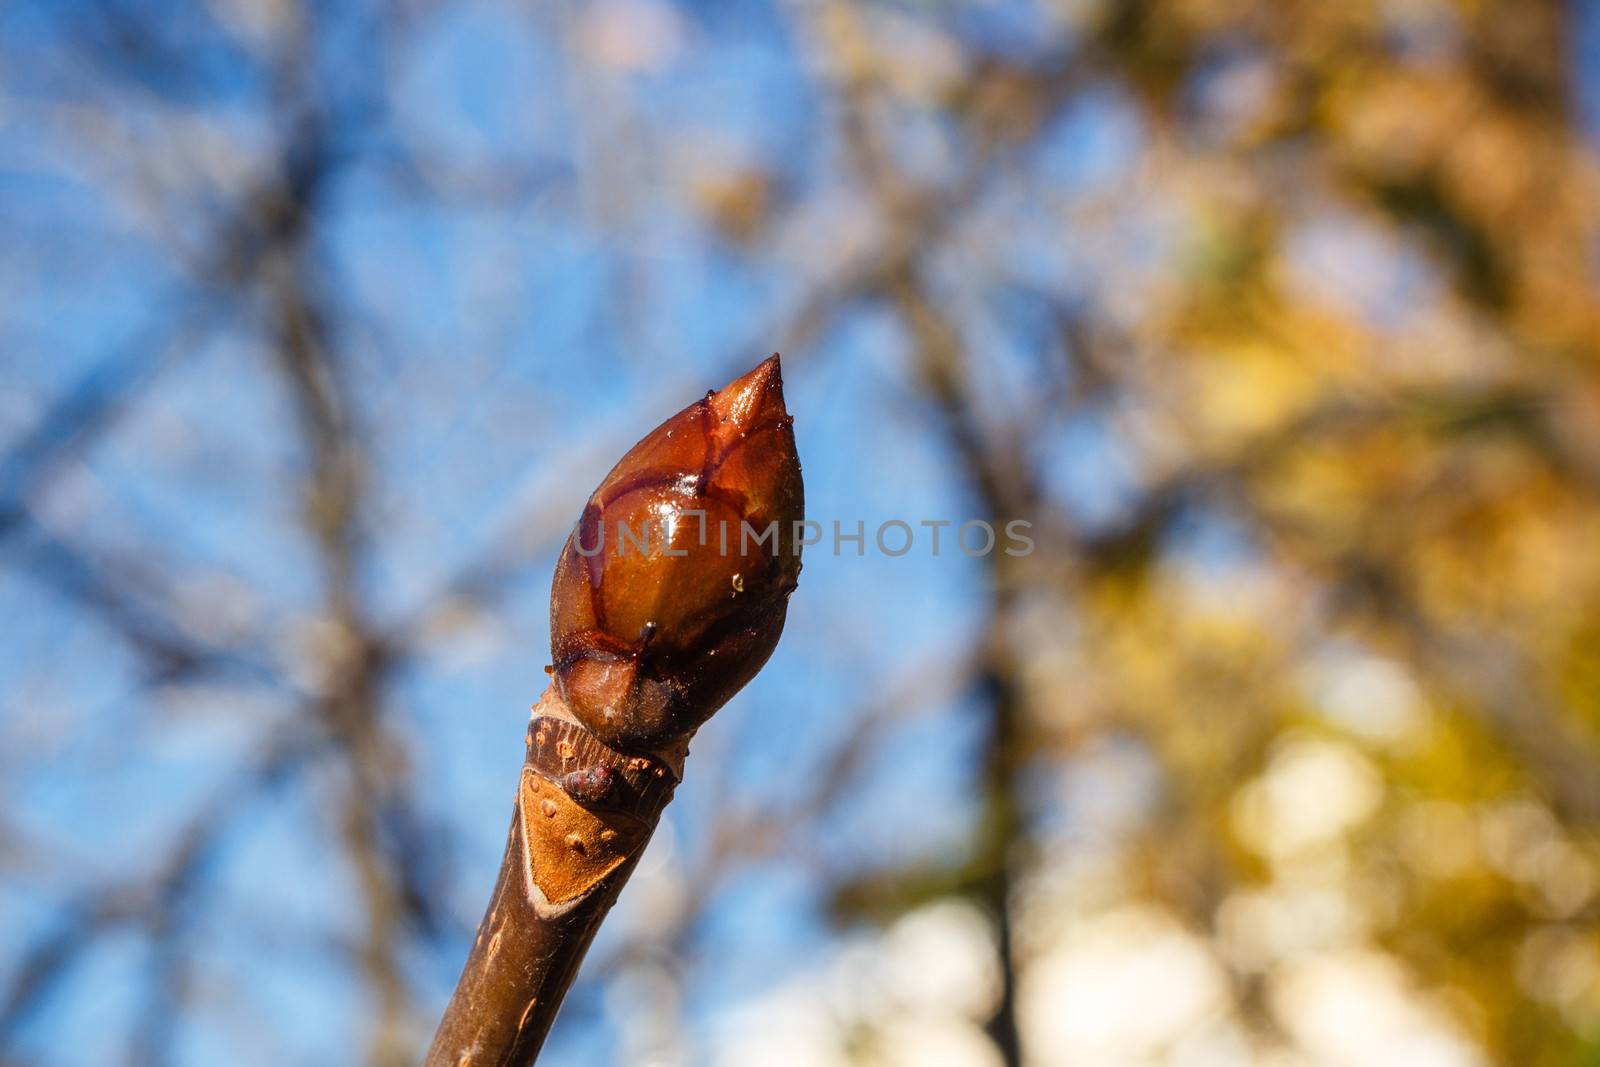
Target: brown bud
{"points": [[649, 641], [588, 786]]}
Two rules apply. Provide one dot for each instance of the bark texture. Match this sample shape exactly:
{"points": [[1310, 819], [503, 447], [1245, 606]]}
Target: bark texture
{"points": [[583, 815]]}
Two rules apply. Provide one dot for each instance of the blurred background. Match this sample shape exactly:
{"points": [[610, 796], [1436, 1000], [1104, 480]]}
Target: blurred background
{"points": [[1280, 321]]}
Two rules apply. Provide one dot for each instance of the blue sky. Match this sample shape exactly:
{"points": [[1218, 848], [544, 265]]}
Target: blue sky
{"points": [[504, 357]]}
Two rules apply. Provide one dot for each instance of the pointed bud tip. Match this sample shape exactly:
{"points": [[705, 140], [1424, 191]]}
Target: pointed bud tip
{"points": [[753, 396]]}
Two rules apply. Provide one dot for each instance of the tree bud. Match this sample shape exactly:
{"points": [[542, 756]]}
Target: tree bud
{"points": [[671, 591]]}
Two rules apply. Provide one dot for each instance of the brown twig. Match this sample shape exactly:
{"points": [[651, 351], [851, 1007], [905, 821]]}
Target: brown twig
{"points": [[582, 816], [647, 643]]}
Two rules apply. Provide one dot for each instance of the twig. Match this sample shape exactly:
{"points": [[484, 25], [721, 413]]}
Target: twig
{"points": [[647, 643]]}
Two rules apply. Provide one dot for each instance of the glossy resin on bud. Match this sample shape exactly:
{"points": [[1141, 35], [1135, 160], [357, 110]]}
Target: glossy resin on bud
{"points": [[671, 591]]}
